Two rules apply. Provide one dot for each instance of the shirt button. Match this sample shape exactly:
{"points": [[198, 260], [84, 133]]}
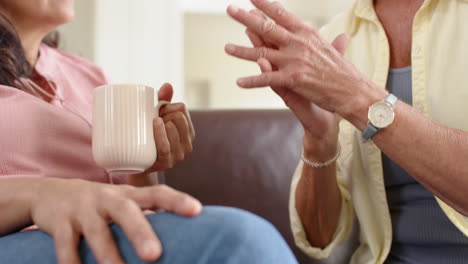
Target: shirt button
{"points": [[417, 50]]}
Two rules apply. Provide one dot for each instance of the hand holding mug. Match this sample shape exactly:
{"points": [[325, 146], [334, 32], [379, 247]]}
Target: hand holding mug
{"points": [[132, 136], [173, 131]]}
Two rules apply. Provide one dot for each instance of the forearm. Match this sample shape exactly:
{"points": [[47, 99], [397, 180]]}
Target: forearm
{"points": [[433, 154], [15, 203], [318, 199]]}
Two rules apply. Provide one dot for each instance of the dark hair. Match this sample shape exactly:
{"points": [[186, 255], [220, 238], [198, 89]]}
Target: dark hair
{"points": [[13, 62]]}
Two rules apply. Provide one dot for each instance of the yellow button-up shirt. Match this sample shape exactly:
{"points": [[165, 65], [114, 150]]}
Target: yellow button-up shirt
{"points": [[440, 91]]}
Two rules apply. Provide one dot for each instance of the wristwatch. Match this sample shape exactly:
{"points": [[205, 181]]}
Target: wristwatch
{"points": [[380, 115]]}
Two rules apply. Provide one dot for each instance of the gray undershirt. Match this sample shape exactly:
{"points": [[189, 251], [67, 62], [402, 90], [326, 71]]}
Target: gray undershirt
{"points": [[422, 233]]}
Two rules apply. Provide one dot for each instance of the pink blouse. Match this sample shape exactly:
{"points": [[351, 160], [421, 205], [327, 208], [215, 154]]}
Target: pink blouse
{"points": [[51, 139]]}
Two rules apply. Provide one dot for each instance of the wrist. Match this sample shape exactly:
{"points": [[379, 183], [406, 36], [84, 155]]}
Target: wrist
{"points": [[356, 109], [34, 195], [320, 150]]}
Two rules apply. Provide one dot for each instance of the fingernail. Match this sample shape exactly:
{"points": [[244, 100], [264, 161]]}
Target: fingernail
{"points": [[189, 207], [233, 9], [241, 82], [230, 48], [197, 207], [151, 249]]}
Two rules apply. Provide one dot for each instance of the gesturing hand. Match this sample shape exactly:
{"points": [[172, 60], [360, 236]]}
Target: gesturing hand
{"points": [[303, 63], [319, 125], [69, 209]]}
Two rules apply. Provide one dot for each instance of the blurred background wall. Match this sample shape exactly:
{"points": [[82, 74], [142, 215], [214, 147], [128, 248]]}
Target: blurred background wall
{"points": [[179, 41]]}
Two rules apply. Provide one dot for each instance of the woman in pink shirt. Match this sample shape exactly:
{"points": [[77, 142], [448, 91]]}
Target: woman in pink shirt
{"points": [[48, 177]]}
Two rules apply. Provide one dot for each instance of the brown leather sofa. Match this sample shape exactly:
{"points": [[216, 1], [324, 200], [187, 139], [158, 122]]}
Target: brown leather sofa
{"points": [[246, 159]]}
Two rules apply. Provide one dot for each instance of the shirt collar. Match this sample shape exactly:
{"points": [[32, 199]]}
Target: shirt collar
{"points": [[46, 63], [365, 8]]}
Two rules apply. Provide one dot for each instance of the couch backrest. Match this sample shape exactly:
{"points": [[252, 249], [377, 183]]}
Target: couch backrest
{"points": [[244, 159]]}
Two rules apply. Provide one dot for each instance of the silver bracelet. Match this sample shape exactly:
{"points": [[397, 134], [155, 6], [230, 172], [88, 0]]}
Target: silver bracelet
{"points": [[325, 164]]}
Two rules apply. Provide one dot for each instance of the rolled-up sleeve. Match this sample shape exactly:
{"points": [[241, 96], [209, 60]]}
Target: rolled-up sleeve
{"points": [[345, 223], [459, 220]]}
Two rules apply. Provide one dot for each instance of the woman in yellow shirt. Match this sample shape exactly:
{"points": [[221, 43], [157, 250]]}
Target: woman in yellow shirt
{"points": [[419, 139]]}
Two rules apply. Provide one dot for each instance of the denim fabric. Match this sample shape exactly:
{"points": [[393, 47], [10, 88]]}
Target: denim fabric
{"points": [[219, 235]]}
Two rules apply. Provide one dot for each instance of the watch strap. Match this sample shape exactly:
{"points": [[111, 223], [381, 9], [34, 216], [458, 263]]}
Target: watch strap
{"points": [[369, 132], [391, 99]]}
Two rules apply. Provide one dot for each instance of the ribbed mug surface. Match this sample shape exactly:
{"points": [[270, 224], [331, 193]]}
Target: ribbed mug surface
{"points": [[123, 140]]}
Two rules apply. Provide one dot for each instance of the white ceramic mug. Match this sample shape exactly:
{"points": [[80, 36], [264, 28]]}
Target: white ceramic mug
{"points": [[123, 140]]}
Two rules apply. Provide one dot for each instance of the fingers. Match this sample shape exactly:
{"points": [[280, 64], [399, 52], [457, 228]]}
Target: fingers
{"points": [[166, 92], [66, 244], [174, 134], [163, 146], [265, 65], [265, 29], [164, 197], [179, 107], [128, 215], [264, 80], [258, 13], [99, 238], [341, 43], [255, 39], [253, 54], [177, 150], [179, 120], [279, 14]]}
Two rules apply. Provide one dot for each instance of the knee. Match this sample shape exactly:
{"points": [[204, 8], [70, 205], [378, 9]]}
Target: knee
{"points": [[223, 233], [250, 238], [241, 227], [236, 225]]}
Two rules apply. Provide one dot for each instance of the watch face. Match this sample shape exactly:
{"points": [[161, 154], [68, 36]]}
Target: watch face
{"points": [[381, 114]]}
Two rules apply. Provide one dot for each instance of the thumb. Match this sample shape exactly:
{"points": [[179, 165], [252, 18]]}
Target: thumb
{"points": [[341, 43], [166, 92]]}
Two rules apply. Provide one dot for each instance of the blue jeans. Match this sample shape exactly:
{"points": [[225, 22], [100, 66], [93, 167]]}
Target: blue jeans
{"points": [[219, 235]]}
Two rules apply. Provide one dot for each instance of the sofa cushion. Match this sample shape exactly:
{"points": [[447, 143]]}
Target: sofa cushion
{"points": [[245, 159]]}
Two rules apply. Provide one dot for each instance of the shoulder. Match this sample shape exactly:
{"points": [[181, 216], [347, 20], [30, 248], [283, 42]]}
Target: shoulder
{"points": [[7, 93], [72, 65]]}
